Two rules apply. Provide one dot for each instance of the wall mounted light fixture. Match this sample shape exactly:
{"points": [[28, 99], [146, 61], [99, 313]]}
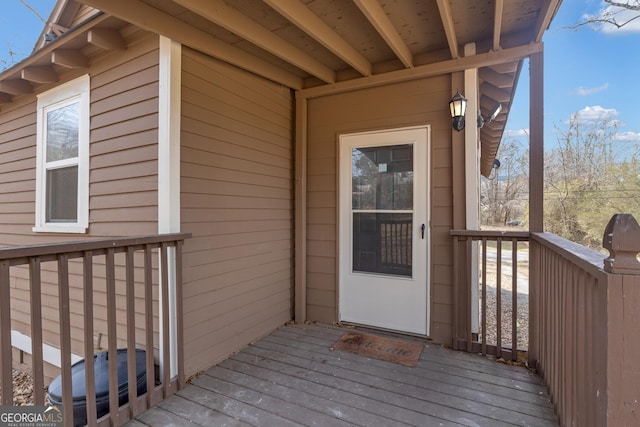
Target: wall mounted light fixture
{"points": [[458, 107]]}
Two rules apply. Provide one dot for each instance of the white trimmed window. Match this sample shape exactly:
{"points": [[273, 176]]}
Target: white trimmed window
{"points": [[62, 168]]}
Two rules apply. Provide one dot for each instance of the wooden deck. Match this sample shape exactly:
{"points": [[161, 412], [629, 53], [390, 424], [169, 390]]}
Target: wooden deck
{"points": [[292, 378]]}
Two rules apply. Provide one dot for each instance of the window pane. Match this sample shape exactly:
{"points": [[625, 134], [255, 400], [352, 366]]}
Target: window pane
{"points": [[62, 195], [382, 243], [62, 132], [382, 178]]}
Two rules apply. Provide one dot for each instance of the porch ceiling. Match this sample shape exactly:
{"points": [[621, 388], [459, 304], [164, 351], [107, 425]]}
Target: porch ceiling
{"points": [[322, 46]]}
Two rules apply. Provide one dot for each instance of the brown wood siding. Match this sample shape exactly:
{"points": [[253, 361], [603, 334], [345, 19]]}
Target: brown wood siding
{"points": [[122, 183], [420, 102], [237, 201]]}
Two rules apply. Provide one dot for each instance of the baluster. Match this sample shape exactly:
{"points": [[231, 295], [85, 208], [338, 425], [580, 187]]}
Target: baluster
{"points": [[37, 363]]}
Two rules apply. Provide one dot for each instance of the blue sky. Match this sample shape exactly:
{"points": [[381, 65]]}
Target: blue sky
{"points": [[587, 72]]}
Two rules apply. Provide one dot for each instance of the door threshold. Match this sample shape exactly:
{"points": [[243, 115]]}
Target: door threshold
{"points": [[382, 331]]}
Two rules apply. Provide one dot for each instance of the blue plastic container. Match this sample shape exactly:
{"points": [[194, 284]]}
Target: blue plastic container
{"points": [[101, 370]]}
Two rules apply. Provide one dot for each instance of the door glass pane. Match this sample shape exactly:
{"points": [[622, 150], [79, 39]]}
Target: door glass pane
{"points": [[382, 243], [62, 132], [382, 178], [62, 195]]}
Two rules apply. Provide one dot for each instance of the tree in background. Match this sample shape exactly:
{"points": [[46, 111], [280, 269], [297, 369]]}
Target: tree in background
{"points": [[504, 195], [588, 178]]}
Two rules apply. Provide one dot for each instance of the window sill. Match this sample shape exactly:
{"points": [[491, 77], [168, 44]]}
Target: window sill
{"points": [[50, 228]]}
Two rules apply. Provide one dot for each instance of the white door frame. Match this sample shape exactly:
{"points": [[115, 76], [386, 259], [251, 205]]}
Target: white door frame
{"points": [[345, 227]]}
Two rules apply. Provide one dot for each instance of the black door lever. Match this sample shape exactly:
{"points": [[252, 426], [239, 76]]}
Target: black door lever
{"points": [[422, 228]]}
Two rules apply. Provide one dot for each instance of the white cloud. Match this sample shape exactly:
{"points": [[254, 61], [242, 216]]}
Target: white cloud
{"points": [[584, 91], [516, 133], [627, 136], [619, 15], [594, 113]]}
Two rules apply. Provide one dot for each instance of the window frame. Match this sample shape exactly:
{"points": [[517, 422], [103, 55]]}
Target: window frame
{"points": [[65, 94]]}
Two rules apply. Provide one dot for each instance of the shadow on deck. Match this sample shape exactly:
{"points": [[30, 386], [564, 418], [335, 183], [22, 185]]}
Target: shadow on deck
{"points": [[292, 378]]}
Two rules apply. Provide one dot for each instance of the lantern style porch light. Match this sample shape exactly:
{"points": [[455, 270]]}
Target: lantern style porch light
{"points": [[458, 107]]}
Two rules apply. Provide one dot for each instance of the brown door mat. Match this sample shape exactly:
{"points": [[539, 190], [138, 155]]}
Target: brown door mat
{"points": [[389, 349]]}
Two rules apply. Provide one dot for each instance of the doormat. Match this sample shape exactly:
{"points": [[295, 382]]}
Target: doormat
{"points": [[389, 349]]}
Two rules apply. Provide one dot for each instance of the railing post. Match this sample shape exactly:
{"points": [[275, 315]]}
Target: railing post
{"points": [[535, 270], [5, 337], [622, 239]]}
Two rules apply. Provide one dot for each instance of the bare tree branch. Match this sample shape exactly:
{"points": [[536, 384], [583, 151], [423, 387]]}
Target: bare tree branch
{"points": [[611, 16], [28, 6]]}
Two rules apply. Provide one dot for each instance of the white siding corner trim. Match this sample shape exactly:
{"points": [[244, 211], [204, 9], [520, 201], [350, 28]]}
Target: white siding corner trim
{"points": [[169, 171]]}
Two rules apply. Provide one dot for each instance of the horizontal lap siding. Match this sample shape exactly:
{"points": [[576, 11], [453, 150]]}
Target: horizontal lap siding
{"points": [[418, 102], [124, 152], [122, 185], [237, 201]]}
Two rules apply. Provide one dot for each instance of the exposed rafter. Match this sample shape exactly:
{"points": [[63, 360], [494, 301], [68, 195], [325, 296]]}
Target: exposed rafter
{"points": [[152, 19], [379, 19], [106, 39], [218, 12], [450, 66], [499, 95], [449, 28], [497, 23], [544, 19], [310, 23], [5, 98], [42, 74], [15, 87], [497, 79], [69, 58], [505, 67]]}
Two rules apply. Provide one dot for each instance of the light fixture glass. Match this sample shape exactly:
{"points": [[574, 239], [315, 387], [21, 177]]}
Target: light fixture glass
{"points": [[458, 107]]}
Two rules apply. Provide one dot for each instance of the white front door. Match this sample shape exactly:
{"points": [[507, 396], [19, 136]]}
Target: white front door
{"points": [[384, 229]]}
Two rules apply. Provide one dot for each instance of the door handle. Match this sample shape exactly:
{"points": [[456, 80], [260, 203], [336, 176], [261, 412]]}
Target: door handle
{"points": [[422, 229]]}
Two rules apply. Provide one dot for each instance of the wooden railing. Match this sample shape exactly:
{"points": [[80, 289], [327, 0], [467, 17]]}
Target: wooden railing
{"points": [[120, 262], [486, 340], [585, 312]]}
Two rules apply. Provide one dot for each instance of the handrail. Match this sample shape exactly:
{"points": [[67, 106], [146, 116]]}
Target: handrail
{"points": [[49, 251]]}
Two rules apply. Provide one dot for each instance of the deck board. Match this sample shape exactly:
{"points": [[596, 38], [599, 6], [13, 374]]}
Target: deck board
{"points": [[293, 378]]}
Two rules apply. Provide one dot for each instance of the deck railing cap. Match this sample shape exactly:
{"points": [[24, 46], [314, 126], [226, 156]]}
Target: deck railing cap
{"points": [[622, 240]]}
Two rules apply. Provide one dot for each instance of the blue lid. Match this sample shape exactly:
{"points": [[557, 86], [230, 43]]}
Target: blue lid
{"points": [[101, 371]]}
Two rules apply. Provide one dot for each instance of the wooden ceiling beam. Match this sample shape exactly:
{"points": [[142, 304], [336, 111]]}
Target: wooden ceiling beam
{"points": [[497, 23], [307, 21], [154, 20], [5, 98], [548, 11], [15, 87], [380, 21], [487, 59], [69, 58], [497, 79], [449, 28], [106, 39], [40, 74], [218, 12]]}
